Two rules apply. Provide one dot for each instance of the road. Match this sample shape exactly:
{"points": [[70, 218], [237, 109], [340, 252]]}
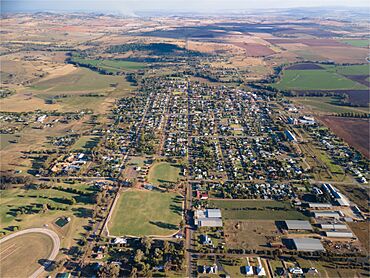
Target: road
{"points": [[54, 252]]}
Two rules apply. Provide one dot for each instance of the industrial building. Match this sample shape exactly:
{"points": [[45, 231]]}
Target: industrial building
{"points": [[319, 205], [290, 136], [298, 225], [326, 214], [208, 218], [308, 244], [327, 226], [341, 234]]}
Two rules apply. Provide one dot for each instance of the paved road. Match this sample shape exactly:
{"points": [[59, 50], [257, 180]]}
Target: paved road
{"points": [[54, 252]]}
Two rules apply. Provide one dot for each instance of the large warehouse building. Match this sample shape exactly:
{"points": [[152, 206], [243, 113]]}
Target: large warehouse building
{"points": [[308, 244]]}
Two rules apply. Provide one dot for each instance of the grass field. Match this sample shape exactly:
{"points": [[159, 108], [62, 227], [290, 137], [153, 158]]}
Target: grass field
{"points": [[140, 213], [357, 42], [6, 140], [112, 66], [81, 79], [32, 200], [85, 143], [348, 70], [317, 80], [256, 209], [20, 255], [163, 172], [327, 105]]}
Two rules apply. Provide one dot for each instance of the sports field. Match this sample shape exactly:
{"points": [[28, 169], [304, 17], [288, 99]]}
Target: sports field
{"points": [[20, 255], [141, 213], [163, 172], [320, 79]]}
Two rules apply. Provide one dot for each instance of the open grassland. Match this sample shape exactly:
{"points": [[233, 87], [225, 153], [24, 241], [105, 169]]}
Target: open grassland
{"points": [[20, 256], [26, 208], [163, 172], [81, 79], [357, 42], [238, 234], [141, 213], [256, 209], [85, 143], [362, 231], [327, 105], [315, 80], [363, 69], [111, 66]]}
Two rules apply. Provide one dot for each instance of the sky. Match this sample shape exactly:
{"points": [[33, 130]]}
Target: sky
{"points": [[131, 6]]}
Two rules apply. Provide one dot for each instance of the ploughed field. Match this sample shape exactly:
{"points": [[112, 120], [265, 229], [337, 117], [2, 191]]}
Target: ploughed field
{"points": [[352, 130]]}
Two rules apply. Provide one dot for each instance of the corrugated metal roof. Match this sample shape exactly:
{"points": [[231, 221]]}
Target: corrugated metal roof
{"points": [[298, 225], [308, 244]]}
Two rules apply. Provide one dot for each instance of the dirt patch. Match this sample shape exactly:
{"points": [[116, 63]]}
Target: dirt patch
{"points": [[352, 130], [254, 49], [305, 66], [254, 234], [362, 231]]}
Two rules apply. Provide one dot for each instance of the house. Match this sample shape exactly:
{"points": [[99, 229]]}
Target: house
{"points": [[248, 270], [290, 136], [119, 240], [296, 270]]}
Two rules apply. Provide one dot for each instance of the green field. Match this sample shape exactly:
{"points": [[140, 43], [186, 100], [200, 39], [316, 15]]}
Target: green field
{"points": [[327, 105], [85, 143], [256, 209], [112, 66], [163, 172], [317, 80], [348, 70], [32, 200], [141, 213], [80, 80], [357, 42]]}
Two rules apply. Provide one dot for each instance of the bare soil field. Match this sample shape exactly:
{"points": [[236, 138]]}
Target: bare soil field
{"points": [[249, 234], [309, 42], [352, 130], [362, 231], [254, 49]]}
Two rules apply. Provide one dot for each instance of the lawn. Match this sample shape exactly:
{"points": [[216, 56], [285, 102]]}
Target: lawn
{"points": [[144, 213], [163, 172], [316, 80], [257, 209], [327, 105], [20, 255], [85, 143]]}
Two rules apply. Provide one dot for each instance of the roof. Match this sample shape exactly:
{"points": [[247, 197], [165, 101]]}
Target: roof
{"points": [[319, 205], [308, 244], [298, 225], [213, 213], [333, 214], [209, 222], [339, 234]]}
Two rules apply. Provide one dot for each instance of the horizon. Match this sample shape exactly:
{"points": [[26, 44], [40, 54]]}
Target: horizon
{"points": [[165, 6]]}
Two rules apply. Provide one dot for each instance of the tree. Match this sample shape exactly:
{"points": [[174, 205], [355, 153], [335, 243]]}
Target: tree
{"points": [[138, 256], [147, 244], [133, 272]]}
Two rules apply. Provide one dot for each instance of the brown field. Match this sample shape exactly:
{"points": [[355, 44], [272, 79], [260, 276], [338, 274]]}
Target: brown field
{"points": [[249, 234], [16, 258], [308, 42], [352, 130], [340, 54], [362, 231], [254, 49]]}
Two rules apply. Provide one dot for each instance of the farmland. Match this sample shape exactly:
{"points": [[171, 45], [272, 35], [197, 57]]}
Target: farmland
{"points": [[256, 209], [158, 214], [354, 131], [317, 80]]}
